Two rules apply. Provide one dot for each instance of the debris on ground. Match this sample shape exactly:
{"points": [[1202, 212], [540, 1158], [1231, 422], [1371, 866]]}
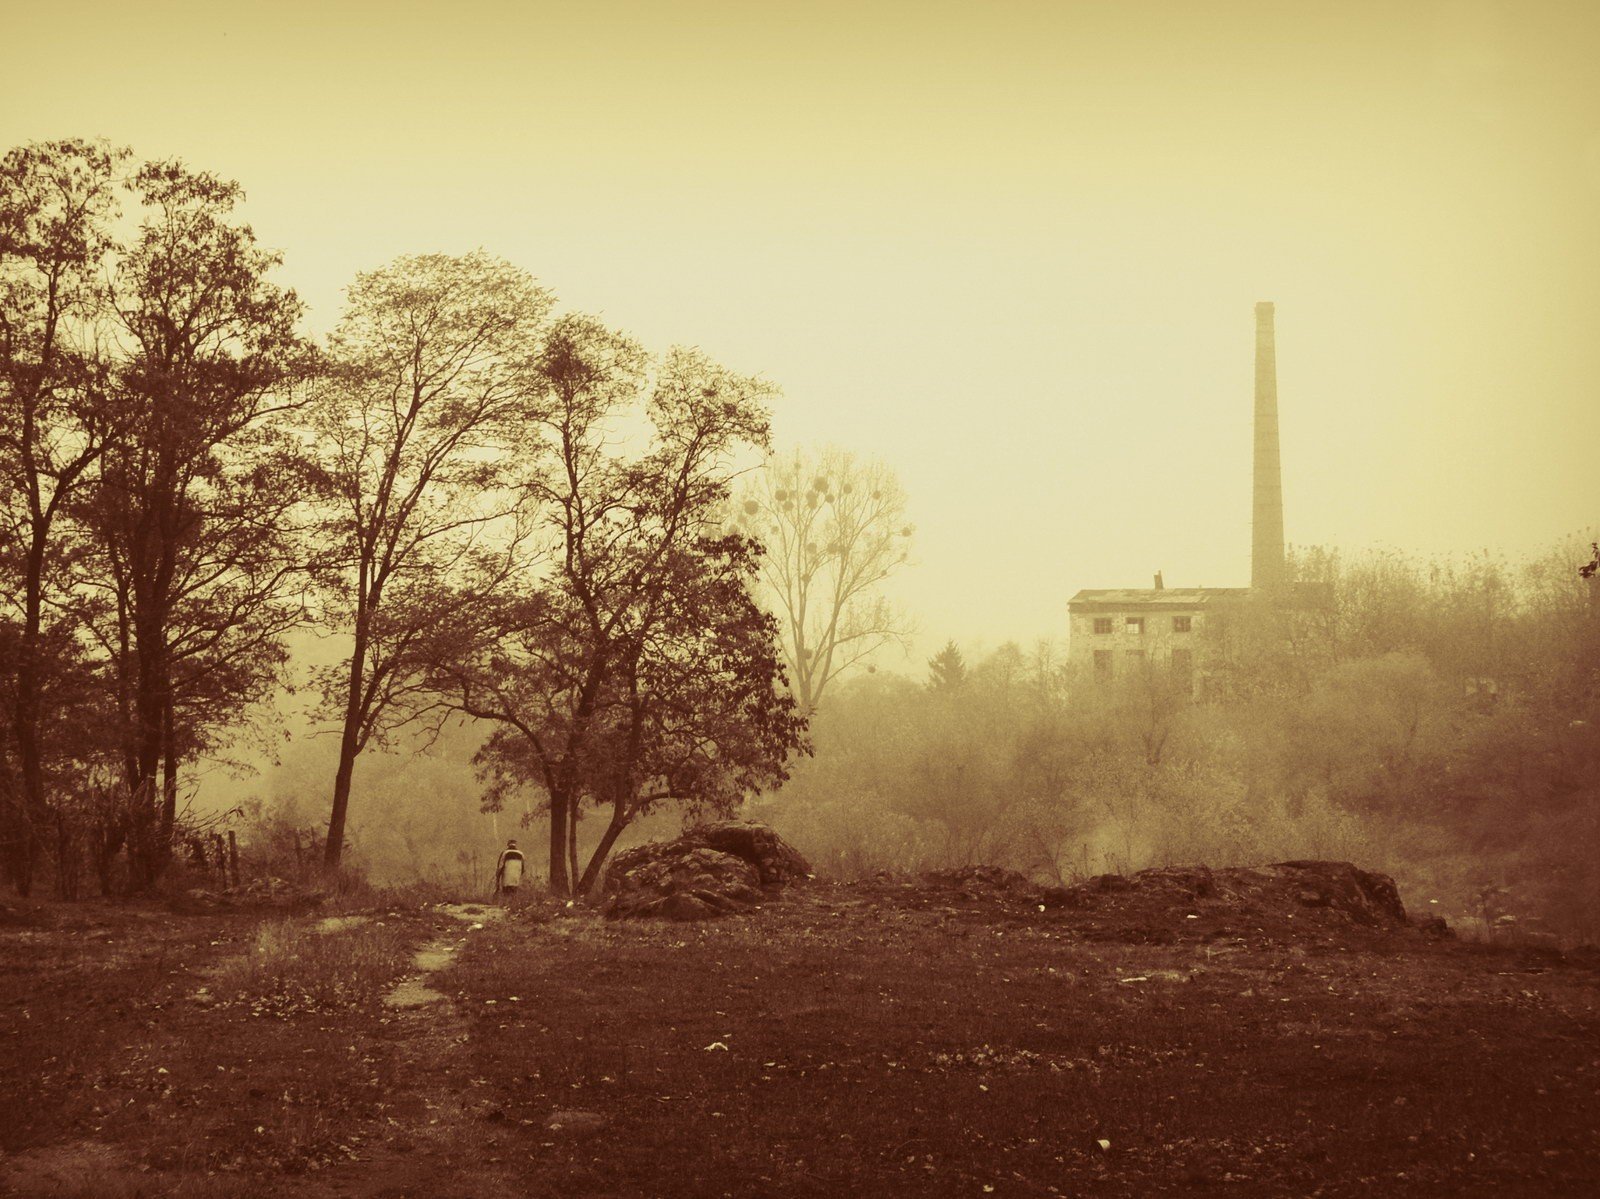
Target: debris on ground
{"points": [[714, 870], [575, 1122], [266, 894]]}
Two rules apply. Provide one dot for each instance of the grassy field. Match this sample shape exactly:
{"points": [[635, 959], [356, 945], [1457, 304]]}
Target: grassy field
{"points": [[867, 1039]]}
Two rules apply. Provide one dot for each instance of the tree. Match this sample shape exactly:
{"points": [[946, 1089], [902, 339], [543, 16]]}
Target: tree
{"points": [[835, 529], [701, 718], [189, 581], [640, 672], [416, 421], [947, 669], [57, 204]]}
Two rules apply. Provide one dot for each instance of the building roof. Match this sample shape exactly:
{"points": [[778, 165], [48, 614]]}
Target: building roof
{"points": [[1118, 598]]}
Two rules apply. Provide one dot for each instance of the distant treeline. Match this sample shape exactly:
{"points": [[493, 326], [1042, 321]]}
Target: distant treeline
{"points": [[1435, 720]]}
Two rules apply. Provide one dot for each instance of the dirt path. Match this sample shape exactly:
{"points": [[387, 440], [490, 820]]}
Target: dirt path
{"points": [[408, 1139], [426, 1148]]}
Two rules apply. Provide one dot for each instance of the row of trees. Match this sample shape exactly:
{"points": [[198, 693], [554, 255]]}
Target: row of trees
{"points": [[145, 493], [513, 516]]}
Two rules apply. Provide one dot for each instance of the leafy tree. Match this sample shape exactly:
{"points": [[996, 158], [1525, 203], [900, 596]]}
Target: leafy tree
{"points": [[416, 421], [58, 201], [639, 672], [190, 584], [835, 529]]}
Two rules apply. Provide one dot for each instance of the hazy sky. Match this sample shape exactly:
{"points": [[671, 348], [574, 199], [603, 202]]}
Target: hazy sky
{"points": [[1010, 248]]}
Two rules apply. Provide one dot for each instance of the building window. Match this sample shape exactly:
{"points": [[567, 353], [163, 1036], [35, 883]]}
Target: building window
{"points": [[1102, 666], [1136, 625], [1180, 624], [1183, 666], [1102, 624]]}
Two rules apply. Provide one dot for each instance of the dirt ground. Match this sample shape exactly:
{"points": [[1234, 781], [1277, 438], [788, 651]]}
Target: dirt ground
{"points": [[873, 1039]]}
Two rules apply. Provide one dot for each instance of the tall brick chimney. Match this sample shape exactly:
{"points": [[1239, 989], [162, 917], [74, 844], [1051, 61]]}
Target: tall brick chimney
{"points": [[1266, 524]]}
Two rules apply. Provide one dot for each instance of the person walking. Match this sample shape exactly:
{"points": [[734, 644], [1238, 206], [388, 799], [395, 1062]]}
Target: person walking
{"points": [[508, 870]]}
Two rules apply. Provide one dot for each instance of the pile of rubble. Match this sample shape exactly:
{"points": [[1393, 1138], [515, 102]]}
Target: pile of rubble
{"points": [[713, 870]]}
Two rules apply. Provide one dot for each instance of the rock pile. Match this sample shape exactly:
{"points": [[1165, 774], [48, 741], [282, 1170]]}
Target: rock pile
{"points": [[713, 870]]}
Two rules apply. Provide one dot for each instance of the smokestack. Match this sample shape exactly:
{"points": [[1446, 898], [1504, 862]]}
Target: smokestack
{"points": [[1266, 528], [1159, 584]]}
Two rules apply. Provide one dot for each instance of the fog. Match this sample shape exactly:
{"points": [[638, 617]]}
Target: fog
{"points": [[1012, 252], [1008, 257]]}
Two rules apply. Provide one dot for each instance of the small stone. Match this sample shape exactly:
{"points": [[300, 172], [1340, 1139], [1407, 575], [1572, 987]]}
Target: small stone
{"points": [[575, 1122]]}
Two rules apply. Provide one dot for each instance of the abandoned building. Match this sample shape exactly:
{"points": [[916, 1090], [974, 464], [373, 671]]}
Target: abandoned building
{"points": [[1126, 632]]}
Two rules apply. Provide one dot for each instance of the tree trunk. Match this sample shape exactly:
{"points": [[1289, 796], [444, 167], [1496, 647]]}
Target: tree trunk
{"points": [[150, 705], [142, 835], [169, 782], [620, 819], [333, 852], [573, 817], [349, 745], [560, 880], [32, 811], [13, 833]]}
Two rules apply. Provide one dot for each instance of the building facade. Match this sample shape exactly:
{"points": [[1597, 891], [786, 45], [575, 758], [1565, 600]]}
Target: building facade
{"points": [[1126, 633], [1122, 633]]}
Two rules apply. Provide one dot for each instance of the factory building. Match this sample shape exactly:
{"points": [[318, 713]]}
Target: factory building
{"points": [[1125, 633]]}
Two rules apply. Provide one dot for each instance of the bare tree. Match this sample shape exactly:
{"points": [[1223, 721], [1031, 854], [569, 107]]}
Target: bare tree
{"points": [[416, 427], [834, 529]]}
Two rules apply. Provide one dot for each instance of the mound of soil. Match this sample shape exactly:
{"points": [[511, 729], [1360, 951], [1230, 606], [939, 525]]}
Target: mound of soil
{"points": [[1338, 888], [1182, 903], [713, 870]]}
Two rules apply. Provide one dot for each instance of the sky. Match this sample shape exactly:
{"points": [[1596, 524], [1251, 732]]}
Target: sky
{"points": [[1011, 249]]}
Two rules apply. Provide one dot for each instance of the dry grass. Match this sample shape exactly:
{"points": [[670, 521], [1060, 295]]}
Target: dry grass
{"points": [[138, 1062], [292, 966]]}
